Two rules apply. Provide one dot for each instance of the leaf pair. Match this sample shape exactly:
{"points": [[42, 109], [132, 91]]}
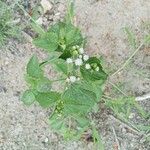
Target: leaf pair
{"points": [[92, 75], [40, 89], [60, 37]]}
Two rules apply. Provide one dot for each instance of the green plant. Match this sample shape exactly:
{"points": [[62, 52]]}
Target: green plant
{"points": [[8, 26], [82, 78]]}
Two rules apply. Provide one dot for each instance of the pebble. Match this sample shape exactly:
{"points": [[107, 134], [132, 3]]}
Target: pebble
{"points": [[39, 21], [46, 140], [46, 5], [61, 8], [131, 116]]}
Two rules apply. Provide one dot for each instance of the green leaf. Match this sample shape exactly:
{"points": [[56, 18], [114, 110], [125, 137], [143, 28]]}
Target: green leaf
{"points": [[58, 124], [73, 35], [82, 121], [96, 87], [61, 65], [31, 80], [33, 68], [78, 99], [37, 28], [28, 97], [67, 33], [47, 99], [70, 12], [48, 41], [44, 85], [92, 75], [97, 139]]}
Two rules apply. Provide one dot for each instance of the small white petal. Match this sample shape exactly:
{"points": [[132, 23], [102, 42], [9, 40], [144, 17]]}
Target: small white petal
{"points": [[77, 46], [131, 116], [85, 57], [69, 60], [72, 79], [74, 47], [81, 50], [97, 69], [68, 80], [46, 140], [78, 62], [80, 56], [87, 66], [78, 79]]}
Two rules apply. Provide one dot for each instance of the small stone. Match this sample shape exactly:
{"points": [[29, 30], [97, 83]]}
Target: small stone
{"points": [[46, 5], [46, 140], [6, 62], [123, 130], [57, 14], [61, 8], [131, 116], [39, 21]]}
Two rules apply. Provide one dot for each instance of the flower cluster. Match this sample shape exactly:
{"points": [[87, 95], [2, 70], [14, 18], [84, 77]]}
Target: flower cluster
{"points": [[72, 79], [78, 56]]}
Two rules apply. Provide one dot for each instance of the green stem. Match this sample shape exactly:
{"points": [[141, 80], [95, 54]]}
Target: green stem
{"points": [[58, 80], [128, 60], [26, 13], [97, 137], [116, 87]]}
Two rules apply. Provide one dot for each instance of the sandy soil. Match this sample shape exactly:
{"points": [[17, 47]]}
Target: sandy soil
{"points": [[102, 21]]}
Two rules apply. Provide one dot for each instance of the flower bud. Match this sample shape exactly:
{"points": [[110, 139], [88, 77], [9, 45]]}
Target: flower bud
{"points": [[69, 60], [97, 69], [87, 66], [81, 50], [75, 53], [73, 79], [78, 62], [85, 57]]}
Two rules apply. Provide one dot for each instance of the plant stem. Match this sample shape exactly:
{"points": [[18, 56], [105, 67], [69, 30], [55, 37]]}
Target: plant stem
{"points": [[128, 60], [21, 7], [58, 80], [116, 87], [115, 135]]}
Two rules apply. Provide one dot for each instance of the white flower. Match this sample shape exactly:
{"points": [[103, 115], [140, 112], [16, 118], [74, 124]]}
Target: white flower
{"points": [[68, 80], [85, 57], [81, 50], [77, 46], [78, 79], [87, 66], [80, 56], [97, 69], [73, 79], [69, 60], [78, 62], [74, 47]]}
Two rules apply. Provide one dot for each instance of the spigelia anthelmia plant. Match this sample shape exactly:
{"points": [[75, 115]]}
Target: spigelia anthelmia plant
{"points": [[81, 76], [81, 79]]}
